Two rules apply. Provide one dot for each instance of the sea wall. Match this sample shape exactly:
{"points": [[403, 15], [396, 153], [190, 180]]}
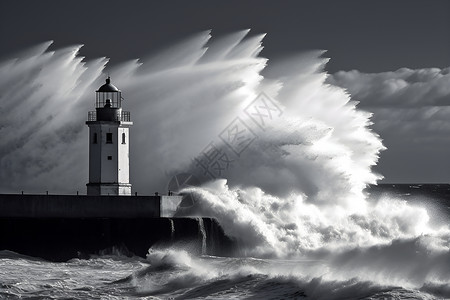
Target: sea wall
{"points": [[60, 239], [61, 227]]}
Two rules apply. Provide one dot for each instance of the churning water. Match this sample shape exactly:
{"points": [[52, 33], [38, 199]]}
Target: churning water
{"points": [[283, 172]]}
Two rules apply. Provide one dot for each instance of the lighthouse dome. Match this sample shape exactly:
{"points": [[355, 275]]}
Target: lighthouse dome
{"points": [[108, 87]]}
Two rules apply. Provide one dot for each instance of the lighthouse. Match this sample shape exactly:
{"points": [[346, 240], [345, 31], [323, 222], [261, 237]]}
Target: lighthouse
{"points": [[109, 144]]}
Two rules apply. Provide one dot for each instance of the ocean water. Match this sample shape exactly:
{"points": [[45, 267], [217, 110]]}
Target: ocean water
{"points": [[282, 160], [177, 275], [403, 269]]}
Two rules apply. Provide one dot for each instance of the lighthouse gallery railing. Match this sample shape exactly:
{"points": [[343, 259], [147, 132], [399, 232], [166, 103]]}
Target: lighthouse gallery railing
{"points": [[123, 116]]}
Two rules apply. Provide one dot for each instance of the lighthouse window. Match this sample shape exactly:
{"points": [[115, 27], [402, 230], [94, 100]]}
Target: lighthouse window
{"points": [[123, 138], [109, 138], [94, 139]]}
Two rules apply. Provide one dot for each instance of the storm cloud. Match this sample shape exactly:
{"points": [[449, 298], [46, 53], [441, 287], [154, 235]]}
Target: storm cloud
{"points": [[411, 114]]}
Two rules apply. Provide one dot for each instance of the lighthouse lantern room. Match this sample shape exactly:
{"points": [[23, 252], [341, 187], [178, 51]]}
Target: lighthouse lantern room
{"points": [[109, 127]]}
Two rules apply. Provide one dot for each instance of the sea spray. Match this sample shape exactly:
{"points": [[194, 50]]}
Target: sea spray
{"points": [[202, 233], [177, 98], [320, 147], [43, 101], [172, 229]]}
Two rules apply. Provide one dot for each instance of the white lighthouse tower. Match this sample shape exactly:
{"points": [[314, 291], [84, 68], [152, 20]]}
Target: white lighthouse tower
{"points": [[109, 127]]}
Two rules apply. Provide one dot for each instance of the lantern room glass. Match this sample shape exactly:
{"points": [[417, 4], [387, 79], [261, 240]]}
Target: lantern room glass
{"points": [[114, 97]]}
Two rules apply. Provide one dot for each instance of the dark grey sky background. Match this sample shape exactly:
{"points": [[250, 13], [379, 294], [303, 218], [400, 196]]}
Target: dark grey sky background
{"points": [[368, 36]]}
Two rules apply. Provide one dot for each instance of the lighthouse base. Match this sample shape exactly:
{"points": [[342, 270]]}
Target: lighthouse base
{"points": [[111, 189]]}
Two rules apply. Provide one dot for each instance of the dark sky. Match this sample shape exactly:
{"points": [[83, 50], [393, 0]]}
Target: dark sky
{"points": [[370, 36], [367, 36]]}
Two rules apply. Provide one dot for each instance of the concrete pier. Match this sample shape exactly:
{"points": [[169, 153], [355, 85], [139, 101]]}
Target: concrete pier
{"points": [[78, 206], [61, 227]]}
